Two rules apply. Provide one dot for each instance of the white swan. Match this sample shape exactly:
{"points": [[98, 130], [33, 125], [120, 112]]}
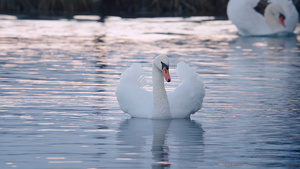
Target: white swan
{"points": [[185, 100], [280, 16]]}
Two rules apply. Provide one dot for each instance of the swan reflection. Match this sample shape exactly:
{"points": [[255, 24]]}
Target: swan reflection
{"points": [[265, 43], [159, 143]]}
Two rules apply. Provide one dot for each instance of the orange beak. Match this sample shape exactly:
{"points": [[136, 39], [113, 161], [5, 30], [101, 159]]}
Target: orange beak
{"points": [[281, 20], [166, 74]]}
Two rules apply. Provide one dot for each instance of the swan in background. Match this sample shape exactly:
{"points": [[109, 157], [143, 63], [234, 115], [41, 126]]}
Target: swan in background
{"points": [[280, 16], [185, 100]]}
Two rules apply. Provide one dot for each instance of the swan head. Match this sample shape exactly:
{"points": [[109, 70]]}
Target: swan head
{"points": [[162, 63], [276, 11]]}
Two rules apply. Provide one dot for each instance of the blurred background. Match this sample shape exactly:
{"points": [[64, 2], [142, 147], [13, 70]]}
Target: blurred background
{"points": [[52, 9]]}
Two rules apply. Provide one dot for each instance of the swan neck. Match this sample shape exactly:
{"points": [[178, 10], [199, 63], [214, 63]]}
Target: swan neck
{"points": [[271, 19], [161, 108]]}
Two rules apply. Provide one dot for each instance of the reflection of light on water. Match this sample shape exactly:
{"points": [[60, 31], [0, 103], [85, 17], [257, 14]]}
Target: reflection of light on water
{"points": [[65, 162], [87, 17], [102, 130], [57, 130], [260, 44], [56, 158], [11, 164], [124, 159], [8, 17]]}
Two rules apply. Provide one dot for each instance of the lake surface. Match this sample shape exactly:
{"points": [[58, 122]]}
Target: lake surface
{"points": [[58, 108]]}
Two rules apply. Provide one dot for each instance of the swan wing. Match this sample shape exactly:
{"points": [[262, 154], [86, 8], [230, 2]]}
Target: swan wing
{"points": [[132, 98], [187, 98], [248, 21]]}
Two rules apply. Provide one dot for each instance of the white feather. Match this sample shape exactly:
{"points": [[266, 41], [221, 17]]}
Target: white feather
{"points": [[187, 98], [133, 99]]}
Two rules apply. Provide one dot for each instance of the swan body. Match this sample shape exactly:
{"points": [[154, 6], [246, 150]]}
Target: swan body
{"points": [[185, 100], [280, 16]]}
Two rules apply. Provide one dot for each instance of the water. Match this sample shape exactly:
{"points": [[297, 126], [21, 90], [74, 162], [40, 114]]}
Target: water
{"points": [[58, 108]]}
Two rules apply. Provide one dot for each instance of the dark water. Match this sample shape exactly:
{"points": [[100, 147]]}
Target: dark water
{"points": [[58, 108]]}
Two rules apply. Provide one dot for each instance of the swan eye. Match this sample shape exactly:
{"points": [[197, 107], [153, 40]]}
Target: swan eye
{"points": [[164, 65], [281, 16]]}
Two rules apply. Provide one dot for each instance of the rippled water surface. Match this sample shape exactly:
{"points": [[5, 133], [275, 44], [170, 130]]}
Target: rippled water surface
{"points": [[58, 108]]}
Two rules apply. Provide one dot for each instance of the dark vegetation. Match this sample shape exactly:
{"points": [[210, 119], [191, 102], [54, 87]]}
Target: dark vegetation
{"points": [[37, 9]]}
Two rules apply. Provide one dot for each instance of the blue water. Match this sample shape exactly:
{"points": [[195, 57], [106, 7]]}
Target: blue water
{"points": [[58, 108]]}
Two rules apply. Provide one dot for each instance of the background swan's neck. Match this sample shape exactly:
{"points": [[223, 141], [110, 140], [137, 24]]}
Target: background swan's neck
{"points": [[271, 12], [161, 107]]}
